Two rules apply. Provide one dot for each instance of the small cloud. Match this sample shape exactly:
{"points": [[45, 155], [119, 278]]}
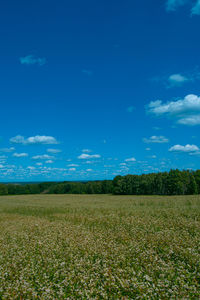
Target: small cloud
{"points": [[88, 156], [32, 60], [39, 164], [86, 150], [72, 169], [31, 168], [148, 149], [3, 157], [44, 156], [20, 154], [156, 139], [17, 139], [130, 109], [7, 150], [73, 165], [87, 72], [38, 139], [191, 120], [173, 5], [187, 148], [177, 80], [89, 170], [54, 151], [89, 162], [186, 110], [49, 161], [132, 159], [153, 156]]}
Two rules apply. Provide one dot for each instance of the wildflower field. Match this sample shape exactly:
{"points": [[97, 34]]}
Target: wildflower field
{"points": [[99, 247]]}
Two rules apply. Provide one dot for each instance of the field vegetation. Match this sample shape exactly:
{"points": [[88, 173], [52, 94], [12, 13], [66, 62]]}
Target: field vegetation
{"points": [[99, 247]]}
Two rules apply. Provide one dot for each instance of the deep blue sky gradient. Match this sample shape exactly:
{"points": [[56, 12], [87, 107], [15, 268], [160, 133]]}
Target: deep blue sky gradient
{"points": [[102, 57]]}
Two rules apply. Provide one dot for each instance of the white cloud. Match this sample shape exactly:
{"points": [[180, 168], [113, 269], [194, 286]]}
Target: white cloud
{"points": [[44, 156], [54, 151], [88, 156], [39, 164], [89, 170], [38, 139], [132, 159], [187, 148], [191, 120], [18, 139], [156, 139], [186, 110], [73, 165], [32, 60], [172, 5], [41, 139], [177, 80], [31, 168], [3, 157], [86, 150], [72, 169], [20, 154], [7, 149], [148, 149], [1, 166], [49, 161]]}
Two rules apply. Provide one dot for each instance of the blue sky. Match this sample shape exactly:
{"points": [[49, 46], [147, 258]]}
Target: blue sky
{"points": [[92, 89]]}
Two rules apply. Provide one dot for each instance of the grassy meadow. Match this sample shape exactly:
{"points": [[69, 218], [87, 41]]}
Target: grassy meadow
{"points": [[99, 247]]}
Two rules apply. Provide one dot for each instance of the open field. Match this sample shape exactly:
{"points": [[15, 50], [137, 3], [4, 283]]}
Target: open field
{"points": [[99, 247]]}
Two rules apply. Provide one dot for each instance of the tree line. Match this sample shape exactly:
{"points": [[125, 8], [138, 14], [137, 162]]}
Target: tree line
{"points": [[174, 182]]}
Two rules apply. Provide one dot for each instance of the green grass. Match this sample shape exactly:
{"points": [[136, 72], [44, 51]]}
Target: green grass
{"points": [[99, 247]]}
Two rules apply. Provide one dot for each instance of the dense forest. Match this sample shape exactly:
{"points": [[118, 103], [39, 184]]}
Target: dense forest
{"points": [[174, 182]]}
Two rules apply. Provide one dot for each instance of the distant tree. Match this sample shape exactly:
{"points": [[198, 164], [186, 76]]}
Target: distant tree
{"points": [[57, 189], [107, 186], [158, 184], [45, 186], [32, 188], [21, 189], [175, 185], [192, 186], [117, 185], [3, 189], [197, 179], [89, 188], [174, 182], [11, 189]]}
